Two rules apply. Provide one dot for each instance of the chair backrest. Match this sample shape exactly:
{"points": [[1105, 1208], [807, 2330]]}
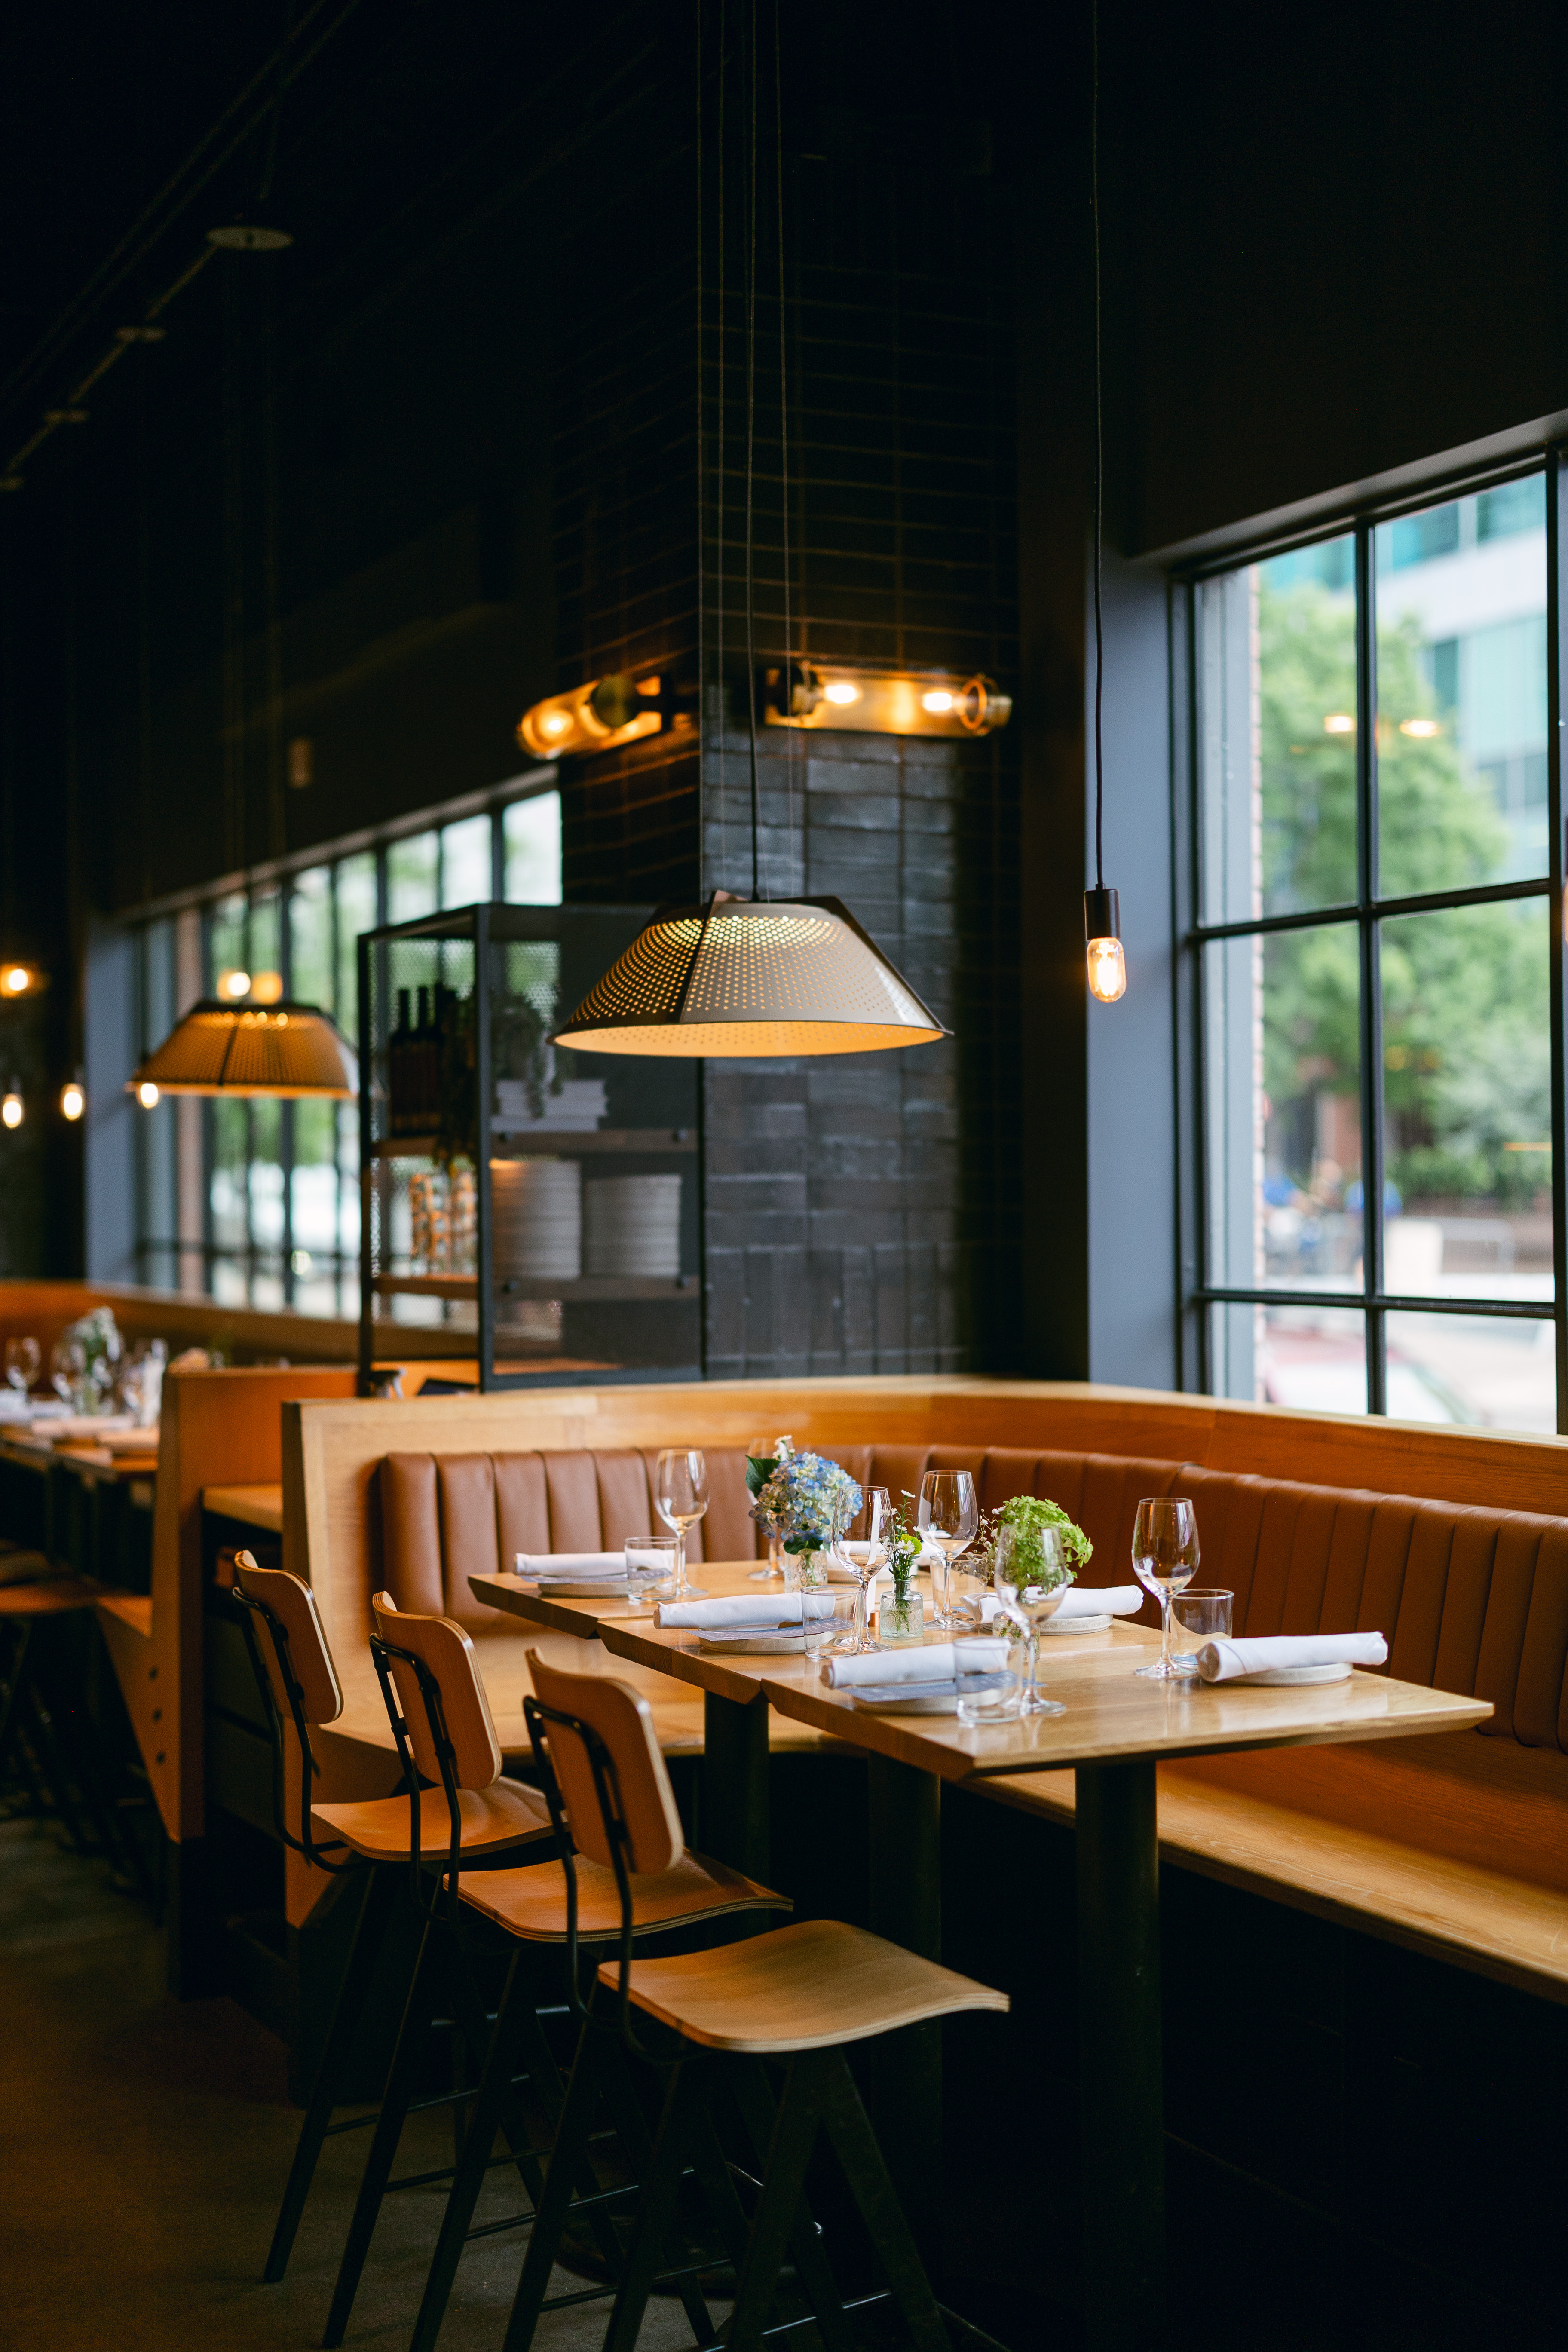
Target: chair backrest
{"points": [[287, 1601], [447, 1655], [620, 1717]]}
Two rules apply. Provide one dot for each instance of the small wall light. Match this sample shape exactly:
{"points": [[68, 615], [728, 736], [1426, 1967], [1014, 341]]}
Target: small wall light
{"points": [[301, 762], [147, 1095], [73, 1098], [266, 988], [1339, 722], [802, 693], [232, 985], [20, 980], [1420, 728], [11, 1108], [599, 716]]}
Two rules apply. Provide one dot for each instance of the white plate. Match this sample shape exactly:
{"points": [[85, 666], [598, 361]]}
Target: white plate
{"points": [[1078, 1625], [1338, 1672]]}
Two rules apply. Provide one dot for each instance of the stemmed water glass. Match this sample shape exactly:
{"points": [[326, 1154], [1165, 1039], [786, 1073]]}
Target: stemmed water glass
{"points": [[866, 1559], [947, 1516], [24, 1361], [1165, 1561], [1028, 1604], [682, 1500]]}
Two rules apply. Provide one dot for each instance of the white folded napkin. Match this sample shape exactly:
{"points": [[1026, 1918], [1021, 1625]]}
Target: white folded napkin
{"points": [[758, 1611], [1084, 1600], [1221, 1661], [928, 1662], [571, 1563]]}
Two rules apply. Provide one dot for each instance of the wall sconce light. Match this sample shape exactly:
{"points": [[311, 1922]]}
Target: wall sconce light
{"points": [[881, 701], [147, 1095], [21, 980], [11, 1108], [600, 717], [73, 1098]]}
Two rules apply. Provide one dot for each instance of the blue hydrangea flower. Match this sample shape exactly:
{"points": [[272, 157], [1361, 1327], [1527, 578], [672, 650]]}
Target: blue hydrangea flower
{"points": [[808, 1502]]}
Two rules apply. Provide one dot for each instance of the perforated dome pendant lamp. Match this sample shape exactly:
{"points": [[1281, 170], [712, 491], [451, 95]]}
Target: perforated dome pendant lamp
{"points": [[286, 1050], [749, 978]]}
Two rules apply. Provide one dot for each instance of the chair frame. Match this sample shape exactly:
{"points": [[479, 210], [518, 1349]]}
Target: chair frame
{"points": [[306, 1843]]}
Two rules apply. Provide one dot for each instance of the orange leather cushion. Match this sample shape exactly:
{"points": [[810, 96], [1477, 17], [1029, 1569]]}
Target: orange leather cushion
{"points": [[411, 1533]]}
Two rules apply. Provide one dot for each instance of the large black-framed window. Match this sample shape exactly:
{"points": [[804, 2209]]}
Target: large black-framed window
{"points": [[256, 1203], [1369, 890]]}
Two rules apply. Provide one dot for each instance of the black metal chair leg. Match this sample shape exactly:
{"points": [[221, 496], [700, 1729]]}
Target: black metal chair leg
{"points": [[656, 2211], [783, 2186], [845, 2120], [631, 2124], [567, 2159], [747, 2080], [383, 1886], [378, 2163], [16, 1683], [52, 1763]]}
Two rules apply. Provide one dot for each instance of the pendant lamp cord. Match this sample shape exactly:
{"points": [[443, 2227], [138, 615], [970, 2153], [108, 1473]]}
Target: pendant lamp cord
{"points": [[1099, 479], [750, 456]]}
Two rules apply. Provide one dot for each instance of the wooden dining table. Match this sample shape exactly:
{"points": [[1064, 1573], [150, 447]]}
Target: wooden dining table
{"points": [[1115, 1728]]}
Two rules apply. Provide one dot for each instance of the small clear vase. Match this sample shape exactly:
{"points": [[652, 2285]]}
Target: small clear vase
{"points": [[806, 1571], [900, 1621]]}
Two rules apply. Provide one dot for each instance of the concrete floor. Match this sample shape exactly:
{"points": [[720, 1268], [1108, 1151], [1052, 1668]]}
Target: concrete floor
{"points": [[144, 2142]]}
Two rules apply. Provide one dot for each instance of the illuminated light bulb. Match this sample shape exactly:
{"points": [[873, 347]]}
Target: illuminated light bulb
{"points": [[11, 1108], [938, 699], [1339, 722], [17, 979], [554, 722], [233, 984], [1419, 727], [73, 1100], [841, 692], [266, 987], [1107, 971], [147, 1095]]}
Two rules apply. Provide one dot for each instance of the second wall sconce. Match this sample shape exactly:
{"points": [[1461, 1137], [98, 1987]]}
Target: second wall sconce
{"points": [[602, 715], [882, 701]]}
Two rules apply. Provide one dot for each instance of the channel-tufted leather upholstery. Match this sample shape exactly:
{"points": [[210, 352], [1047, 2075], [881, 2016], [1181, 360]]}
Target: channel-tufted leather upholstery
{"points": [[1472, 1600]]}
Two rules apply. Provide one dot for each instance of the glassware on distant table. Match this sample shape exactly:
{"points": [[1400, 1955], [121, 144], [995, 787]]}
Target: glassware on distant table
{"points": [[1199, 1615], [1023, 1553], [761, 1449], [650, 1556], [1165, 1561], [67, 1370], [23, 1361], [682, 1497], [996, 1698], [948, 1516]]}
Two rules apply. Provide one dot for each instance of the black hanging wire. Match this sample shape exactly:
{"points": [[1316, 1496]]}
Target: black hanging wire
{"points": [[719, 464], [1099, 479], [751, 452], [791, 746]]}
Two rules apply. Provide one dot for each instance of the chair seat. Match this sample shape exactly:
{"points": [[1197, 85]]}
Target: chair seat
{"points": [[805, 1987], [54, 1596], [532, 1902], [18, 1566], [504, 1814]]}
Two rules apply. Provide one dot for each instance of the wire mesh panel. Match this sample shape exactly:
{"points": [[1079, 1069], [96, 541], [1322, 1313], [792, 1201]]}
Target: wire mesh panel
{"points": [[531, 1213]]}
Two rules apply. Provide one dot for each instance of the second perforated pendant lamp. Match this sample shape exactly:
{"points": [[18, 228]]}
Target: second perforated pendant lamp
{"points": [[751, 978]]}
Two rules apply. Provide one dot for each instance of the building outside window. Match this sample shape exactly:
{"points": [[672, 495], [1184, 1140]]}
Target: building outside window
{"points": [[256, 1203], [1370, 938]]}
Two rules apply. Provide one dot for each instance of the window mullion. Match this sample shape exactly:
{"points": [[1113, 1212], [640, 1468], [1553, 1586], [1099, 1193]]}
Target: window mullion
{"points": [[1371, 990], [1556, 493]]}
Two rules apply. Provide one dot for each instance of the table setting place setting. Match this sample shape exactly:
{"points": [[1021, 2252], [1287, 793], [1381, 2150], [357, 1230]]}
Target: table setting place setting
{"points": [[999, 1582]]}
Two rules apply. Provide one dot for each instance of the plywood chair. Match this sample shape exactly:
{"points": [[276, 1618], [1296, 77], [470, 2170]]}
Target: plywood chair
{"points": [[790, 2000], [383, 1837]]}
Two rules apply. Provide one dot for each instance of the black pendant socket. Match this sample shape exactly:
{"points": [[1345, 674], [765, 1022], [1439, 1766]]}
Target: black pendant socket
{"points": [[1101, 914]]}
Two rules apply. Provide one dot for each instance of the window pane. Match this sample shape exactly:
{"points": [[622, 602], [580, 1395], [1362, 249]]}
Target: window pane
{"points": [[411, 878], [228, 948], [468, 873], [1283, 1112], [531, 836], [310, 938], [1313, 1358], [266, 946], [1278, 735], [1499, 1372], [1461, 692], [1466, 1088], [356, 913]]}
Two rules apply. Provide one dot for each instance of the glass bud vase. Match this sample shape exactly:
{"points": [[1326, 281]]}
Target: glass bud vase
{"points": [[805, 1571], [900, 1620]]}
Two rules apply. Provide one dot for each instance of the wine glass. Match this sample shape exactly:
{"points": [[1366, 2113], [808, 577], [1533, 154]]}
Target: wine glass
{"points": [[67, 1370], [683, 1500], [24, 1361], [948, 1515], [1025, 1560], [1165, 1561], [867, 1560]]}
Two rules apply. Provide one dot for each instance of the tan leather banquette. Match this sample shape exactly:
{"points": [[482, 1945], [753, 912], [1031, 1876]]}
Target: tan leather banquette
{"points": [[1472, 1600]]}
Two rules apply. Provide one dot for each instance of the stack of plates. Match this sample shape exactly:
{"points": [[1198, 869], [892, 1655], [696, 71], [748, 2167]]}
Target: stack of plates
{"points": [[577, 1103], [633, 1225], [536, 1213]]}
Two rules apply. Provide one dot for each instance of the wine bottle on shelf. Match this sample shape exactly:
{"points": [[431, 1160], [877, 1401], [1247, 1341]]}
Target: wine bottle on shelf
{"points": [[421, 1058], [397, 1046]]}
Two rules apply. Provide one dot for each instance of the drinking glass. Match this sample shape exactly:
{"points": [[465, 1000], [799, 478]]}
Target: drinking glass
{"points": [[948, 1515], [24, 1361], [1029, 1604], [1165, 1561], [67, 1370], [867, 1558], [649, 1555], [683, 1500], [1198, 1615]]}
